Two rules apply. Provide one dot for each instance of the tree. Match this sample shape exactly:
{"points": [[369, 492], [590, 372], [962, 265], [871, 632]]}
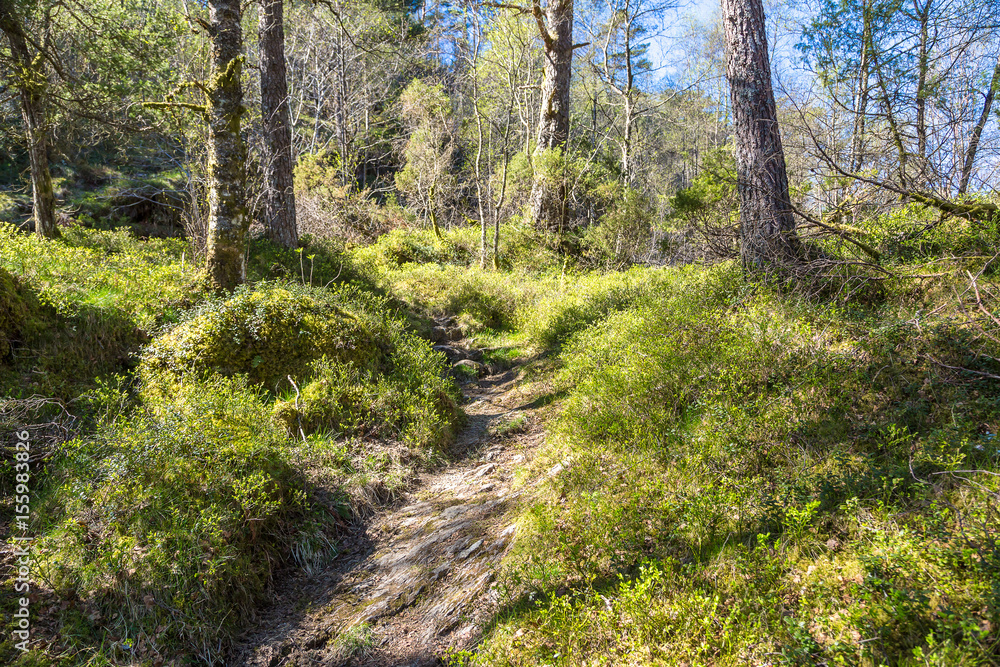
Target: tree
{"points": [[74, 65], [430, 150], [227, 212], [977, 132], [348, 62], [31, 81], [501, 57], [767, 228], [620, 61], [906, 74], [547, 205], [279, 194]]}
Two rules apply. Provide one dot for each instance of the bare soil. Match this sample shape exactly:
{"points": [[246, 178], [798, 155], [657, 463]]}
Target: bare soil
{"points": [[418, 580]]}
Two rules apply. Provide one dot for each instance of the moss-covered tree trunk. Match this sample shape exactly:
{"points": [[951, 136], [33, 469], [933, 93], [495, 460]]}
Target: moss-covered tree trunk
{"points": [[279, 194], [227, 213], [31, 83], [547, 204], [767, 227]]}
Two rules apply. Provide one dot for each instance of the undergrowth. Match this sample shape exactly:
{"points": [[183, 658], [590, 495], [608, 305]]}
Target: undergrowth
{"points": [[224, 436], [749, 476], [737, 472]]}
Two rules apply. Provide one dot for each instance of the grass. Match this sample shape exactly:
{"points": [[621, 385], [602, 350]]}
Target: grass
{"points": [[733, 472], [751, 476], [199, 468]]}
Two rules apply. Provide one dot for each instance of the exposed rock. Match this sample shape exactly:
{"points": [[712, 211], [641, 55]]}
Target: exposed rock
{"points": [[468, 552], [558, 468], [474, 366], [485, 470], [453, 353]]}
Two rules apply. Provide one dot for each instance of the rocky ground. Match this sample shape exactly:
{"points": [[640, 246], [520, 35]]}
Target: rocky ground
{"points": [[418, 580]]}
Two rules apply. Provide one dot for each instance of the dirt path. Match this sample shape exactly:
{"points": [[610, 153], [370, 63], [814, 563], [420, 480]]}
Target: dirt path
{"points": [[417, 580]]}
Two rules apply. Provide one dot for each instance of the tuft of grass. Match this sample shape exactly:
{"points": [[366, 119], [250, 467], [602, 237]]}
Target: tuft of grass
{"points": [[356, 642], [508, 426]]}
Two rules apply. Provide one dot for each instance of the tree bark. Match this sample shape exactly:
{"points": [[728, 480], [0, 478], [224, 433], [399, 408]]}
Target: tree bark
{"points": [[279, 195], [31, 83], [977, 132], [547, 205], [923, 66], [227, 213], [766, 222], [861, 105]]}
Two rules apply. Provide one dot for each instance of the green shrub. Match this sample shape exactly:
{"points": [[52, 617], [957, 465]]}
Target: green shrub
{"points": [[145, 280], [916, 232], [623, 235], [268, 332], [418, 246], [737, 473], [477, 299], [578, 302], [13, 313], [92, 298], [411, 400], [354, 369], [175, 518]]}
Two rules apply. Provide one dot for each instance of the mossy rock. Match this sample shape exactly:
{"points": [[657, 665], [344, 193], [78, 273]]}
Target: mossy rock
{"points": [[267, 334], [13, 313]]}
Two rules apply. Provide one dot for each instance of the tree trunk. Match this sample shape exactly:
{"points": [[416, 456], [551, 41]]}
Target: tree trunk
{"points": [[279, 192], [923, 60], [627, 153], [227, 214], [548, 196], [977, 132], [861, 106], [767, 226], [31, 83]]}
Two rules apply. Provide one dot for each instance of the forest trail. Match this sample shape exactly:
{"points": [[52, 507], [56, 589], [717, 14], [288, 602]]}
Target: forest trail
{"points": [[417, 579]]}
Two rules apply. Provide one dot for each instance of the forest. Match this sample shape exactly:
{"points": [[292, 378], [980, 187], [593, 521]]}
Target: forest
{"points": [[487, 333]]}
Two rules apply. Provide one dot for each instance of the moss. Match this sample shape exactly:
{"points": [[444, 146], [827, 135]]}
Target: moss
{"points": [[189, 505], [408, 400], [13, 313], [269, 335]]}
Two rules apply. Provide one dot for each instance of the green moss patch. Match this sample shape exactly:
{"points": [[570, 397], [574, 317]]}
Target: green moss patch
{"points": [[268, 334]]}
